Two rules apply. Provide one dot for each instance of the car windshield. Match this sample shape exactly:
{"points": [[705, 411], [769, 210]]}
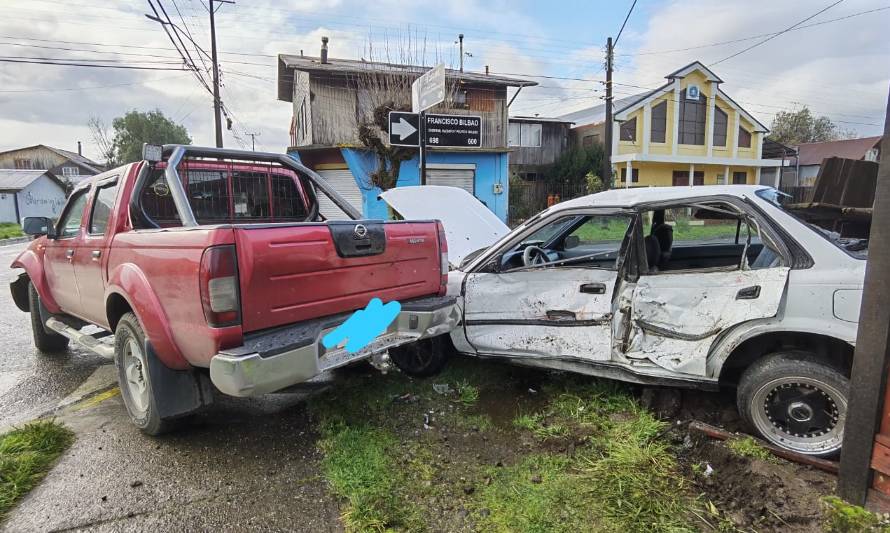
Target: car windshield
{"points": [[855, 247]]}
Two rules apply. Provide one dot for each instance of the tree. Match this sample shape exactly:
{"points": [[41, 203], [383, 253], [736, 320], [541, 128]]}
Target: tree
{"points": [[131, 131], [801, 126], [576, 163]]}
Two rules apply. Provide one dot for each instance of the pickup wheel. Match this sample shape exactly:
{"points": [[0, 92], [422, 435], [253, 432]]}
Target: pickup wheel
{"points": [[423, 358], [134, 377], [45, 340], [795, 402]]}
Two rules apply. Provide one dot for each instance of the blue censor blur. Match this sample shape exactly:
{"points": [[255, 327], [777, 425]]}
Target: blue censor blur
{"points": [[363, 326]]}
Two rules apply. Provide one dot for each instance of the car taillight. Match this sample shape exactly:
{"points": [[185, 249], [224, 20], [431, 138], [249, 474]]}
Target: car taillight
{"points": [[443, 258], [220, 295]]}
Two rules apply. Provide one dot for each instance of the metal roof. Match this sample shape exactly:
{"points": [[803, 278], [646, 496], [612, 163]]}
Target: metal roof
{"points": [[85, 162], [814, 153], [558, 120], [351, 67], [16, 180], [597, 114]]}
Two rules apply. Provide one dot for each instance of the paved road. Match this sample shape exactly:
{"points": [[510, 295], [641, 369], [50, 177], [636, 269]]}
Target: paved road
{"points": [[243, 465]]}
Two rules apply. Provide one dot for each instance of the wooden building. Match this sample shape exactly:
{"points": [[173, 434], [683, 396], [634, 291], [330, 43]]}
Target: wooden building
{"points": [[536, 143]]}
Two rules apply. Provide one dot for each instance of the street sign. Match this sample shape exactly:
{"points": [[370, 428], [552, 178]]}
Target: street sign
{"points": [[429, 89], [404, 128], [460, 131]]}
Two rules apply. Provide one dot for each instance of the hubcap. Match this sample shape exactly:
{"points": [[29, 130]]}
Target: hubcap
{"points": [[136, 370], [801, 414]]}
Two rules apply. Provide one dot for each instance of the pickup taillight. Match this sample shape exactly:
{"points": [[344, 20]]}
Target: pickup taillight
{"points": [[443, 258], [220, 295]]}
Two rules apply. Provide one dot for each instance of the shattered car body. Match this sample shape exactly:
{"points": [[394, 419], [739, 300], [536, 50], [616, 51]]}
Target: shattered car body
{"points": [[692, 286]]}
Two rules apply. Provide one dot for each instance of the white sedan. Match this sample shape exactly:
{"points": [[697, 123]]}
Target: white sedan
{"points": [[691, 286]]}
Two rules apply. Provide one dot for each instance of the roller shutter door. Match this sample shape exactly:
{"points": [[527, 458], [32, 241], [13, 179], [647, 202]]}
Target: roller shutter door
{"points": [[343, 182], [452, 177]]}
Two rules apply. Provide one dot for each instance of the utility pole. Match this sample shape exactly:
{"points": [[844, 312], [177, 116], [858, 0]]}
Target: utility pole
{"points": [[217, 119], [607, 124], [253, 137], [461, 39]]}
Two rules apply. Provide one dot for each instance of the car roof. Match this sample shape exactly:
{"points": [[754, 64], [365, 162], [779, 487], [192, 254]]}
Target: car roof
{"points": [[622, 197]]}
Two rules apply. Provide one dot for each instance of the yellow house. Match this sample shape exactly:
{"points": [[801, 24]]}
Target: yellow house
{"points": [[686, 132]]}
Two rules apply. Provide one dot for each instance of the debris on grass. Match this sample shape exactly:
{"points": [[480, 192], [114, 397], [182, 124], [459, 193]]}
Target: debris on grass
{"points": [[748, 447], [26, 455]]}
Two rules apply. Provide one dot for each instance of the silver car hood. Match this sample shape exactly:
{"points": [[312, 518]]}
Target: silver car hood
{"points": [[469, 225]]}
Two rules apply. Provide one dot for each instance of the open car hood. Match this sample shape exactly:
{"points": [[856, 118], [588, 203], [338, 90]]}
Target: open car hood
{"points": [[469, 225]]}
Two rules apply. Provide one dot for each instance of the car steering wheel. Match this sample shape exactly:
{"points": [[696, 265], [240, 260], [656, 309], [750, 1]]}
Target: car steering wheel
{"points": [[533, 255]]}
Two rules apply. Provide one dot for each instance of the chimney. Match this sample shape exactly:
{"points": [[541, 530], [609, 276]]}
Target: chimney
{"points": [[79, 149], [324, 50], [486, 70]]}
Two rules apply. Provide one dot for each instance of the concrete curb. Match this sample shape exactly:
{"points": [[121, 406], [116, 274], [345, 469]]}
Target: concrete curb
{"points": [[15, 240]]}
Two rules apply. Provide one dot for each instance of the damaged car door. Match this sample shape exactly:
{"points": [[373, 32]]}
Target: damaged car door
{"points": [[718, 270], [548, 292]]}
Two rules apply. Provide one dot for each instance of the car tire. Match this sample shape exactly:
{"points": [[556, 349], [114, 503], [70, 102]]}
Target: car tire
{"points": [[796, 402], [423, 358], [134, 377], [46, 341]]}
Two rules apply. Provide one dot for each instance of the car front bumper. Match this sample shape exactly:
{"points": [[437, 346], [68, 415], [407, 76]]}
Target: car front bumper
{"points": [[272, 360]]}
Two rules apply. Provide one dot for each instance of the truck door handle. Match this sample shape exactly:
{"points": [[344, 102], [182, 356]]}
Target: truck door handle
{"points": [[748, 293], [593, 288], [69, 253], [96, 254]]}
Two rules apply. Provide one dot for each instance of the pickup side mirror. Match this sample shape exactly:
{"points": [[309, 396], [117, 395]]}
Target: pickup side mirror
{"points": [[38, 226]]}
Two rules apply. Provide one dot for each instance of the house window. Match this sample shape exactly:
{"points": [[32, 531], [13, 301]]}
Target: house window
{"points": [[70, 172], [459, 99], [590, 140], [629, 130], [681, 177], [659, 123], [524, 134], [692, 119], [634, 175], [744, 138], [739, 178], [721, 120], [23, 164]]}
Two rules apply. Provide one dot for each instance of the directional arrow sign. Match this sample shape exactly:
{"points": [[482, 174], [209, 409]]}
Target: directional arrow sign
{"points": [[403, 128]]}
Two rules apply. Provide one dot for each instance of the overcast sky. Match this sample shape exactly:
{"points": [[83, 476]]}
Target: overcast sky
{"points": [[839, 68]]}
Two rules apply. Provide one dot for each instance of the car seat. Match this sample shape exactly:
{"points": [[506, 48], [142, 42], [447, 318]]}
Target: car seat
{"points": [[664, 233], [653, 252]]}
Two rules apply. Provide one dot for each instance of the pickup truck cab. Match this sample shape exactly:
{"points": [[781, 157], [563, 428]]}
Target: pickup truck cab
{"points": [[214, 266]]}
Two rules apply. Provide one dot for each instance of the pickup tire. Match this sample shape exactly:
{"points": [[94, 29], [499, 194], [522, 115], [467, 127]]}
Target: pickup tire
{"points": [[46, 341], [423, 358], [796, 402], [134, 377]]}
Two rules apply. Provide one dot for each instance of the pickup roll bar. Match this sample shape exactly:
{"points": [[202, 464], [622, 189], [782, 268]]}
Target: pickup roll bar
{"points": [[175, 153]]}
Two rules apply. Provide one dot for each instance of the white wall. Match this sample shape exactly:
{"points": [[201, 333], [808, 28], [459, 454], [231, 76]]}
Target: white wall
{"points": [[42, 198], [7, 207]]}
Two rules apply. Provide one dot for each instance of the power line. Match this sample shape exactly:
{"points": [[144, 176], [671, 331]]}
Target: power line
{"points": [[771, 37], [91, 87], [629, 11], [60, 63]]}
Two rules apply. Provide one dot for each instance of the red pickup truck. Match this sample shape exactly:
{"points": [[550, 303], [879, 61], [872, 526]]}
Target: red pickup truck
{"points": [[203, 265]]}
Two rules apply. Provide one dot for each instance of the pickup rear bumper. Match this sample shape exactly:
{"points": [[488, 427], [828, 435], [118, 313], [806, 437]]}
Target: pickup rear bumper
{"points": [[281, 357]]}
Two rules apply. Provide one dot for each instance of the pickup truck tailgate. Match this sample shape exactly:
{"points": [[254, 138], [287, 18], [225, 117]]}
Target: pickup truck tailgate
{"points": [[290, 273]]}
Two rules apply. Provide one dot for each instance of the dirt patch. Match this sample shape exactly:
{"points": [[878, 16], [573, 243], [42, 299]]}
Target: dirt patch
{"points": [[756, 494]]}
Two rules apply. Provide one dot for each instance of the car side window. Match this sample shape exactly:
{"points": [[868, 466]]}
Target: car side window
{"points": [[102, 206], [69, 224]]}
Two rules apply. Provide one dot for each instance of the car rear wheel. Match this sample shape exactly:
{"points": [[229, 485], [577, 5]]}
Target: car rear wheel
{"points": [[796, 402], [45, 340], [134, 377], [423, 358]]}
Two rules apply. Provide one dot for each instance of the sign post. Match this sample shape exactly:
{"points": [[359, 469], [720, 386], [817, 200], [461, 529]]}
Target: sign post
{"points": [[427, 91]]}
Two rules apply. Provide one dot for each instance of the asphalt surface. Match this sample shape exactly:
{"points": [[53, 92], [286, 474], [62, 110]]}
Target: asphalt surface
{"points": [[245, 464]]}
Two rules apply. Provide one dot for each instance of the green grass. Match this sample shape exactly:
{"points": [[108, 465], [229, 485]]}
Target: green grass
{"points": [[467, 393], [842, 517], [683, 231], [748, 447], [26, 455], [9, 230]]}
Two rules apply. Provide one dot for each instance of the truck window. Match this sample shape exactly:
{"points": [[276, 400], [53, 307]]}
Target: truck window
{"points": [[102, 206], [228, 195], [69, 224]]}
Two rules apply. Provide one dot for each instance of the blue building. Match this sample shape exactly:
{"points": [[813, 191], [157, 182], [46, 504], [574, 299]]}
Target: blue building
{"points": [[339, 119]]}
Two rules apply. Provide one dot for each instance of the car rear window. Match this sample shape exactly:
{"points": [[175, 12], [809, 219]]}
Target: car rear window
{"points": [[228, 195]]}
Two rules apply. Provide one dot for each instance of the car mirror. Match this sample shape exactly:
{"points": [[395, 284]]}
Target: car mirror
{"points": [[36, 226], [572, 241]]}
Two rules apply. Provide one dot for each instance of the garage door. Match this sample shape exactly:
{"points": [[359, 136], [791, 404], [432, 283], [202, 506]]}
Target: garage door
{"points": [[463, 176], [343, 182]]}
